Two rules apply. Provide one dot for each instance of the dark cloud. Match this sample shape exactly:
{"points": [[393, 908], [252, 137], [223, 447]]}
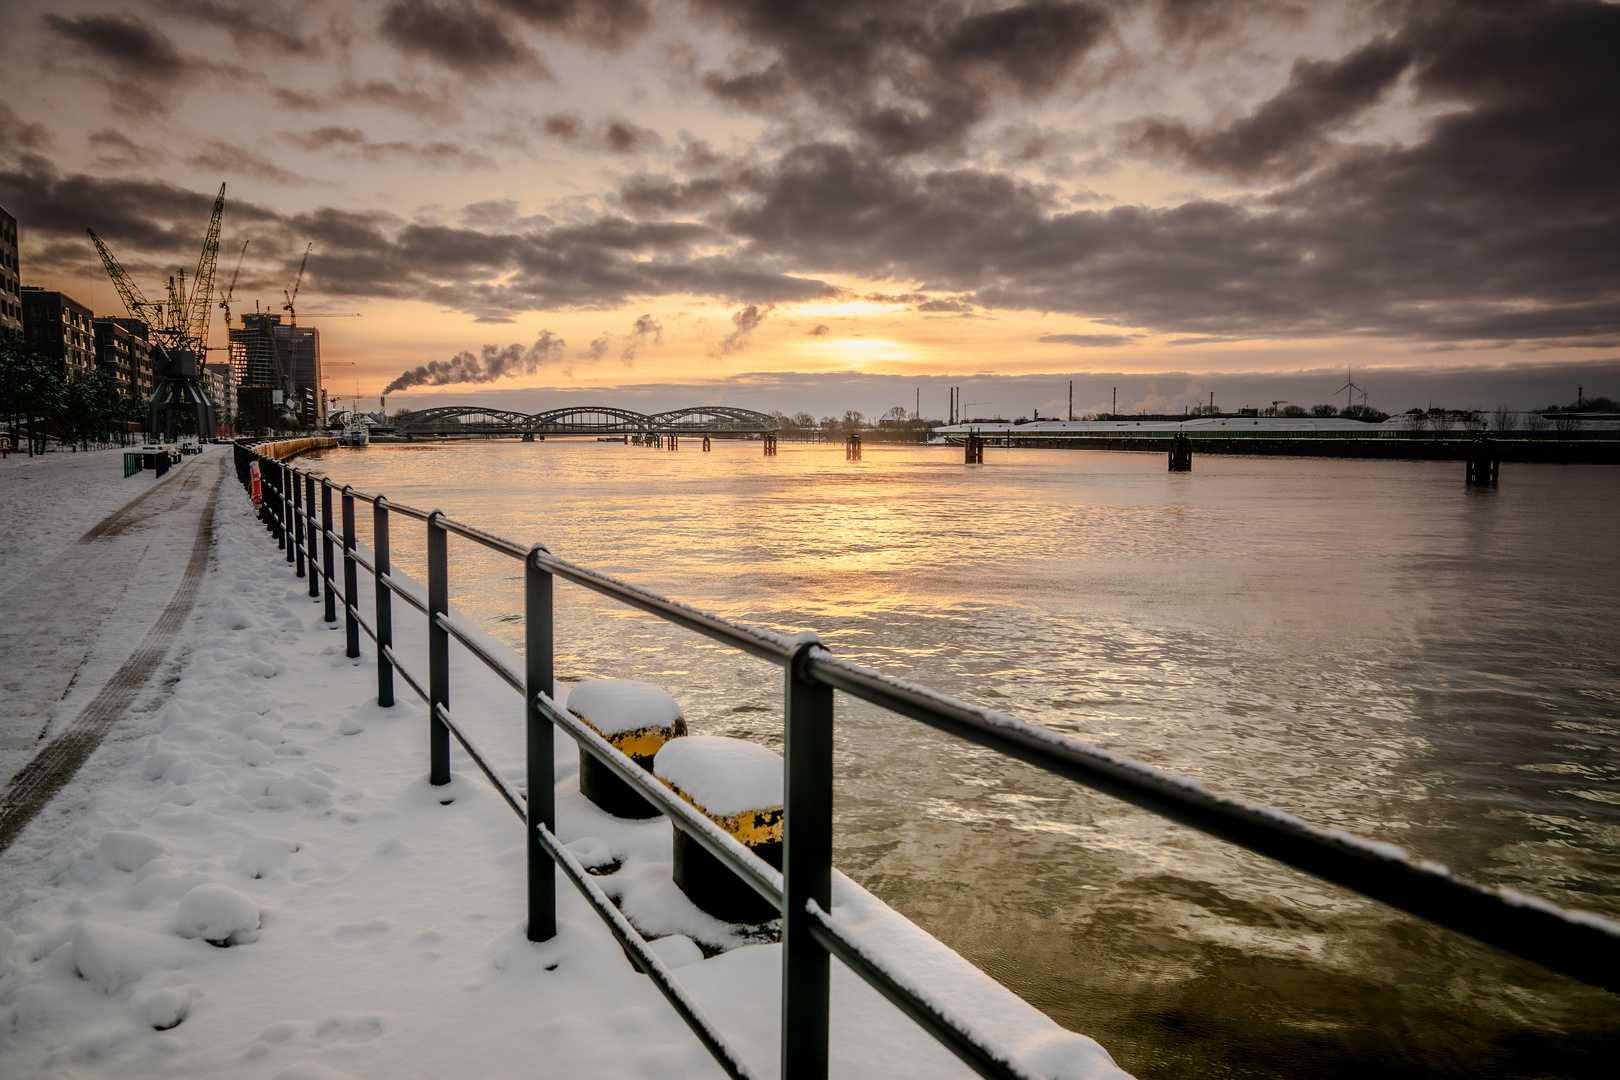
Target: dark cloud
{"points": [[352, 142], [231, 160], [613, 135], [298, 100], [122, 41], [17, 134], [136, 61], [491, 363], [469, 40], [1089, 341], [906, 76], [115, 150], [599, 348], [255, 27], [603, 24], [646, 327], [819, 330], [1499, 224], [944, 306], [1287, 134]]}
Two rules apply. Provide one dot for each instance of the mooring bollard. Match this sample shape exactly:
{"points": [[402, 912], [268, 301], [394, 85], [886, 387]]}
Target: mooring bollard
{"points": [[737, 785], [636, 717], [1181, 454], [769, 442], [852, 448]]}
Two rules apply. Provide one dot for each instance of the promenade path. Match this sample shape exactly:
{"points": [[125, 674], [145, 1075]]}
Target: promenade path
{"points": [[83, 631]]}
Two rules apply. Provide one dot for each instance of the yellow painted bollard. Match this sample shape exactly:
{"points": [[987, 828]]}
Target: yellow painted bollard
{"points": [[636, 717], [737, 785]]}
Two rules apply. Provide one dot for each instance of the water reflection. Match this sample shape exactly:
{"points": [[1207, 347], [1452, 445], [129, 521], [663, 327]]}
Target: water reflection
{"points": [[1369, 645]]}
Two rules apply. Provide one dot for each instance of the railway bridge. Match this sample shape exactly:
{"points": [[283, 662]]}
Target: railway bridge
{"points": [[478, 421]]}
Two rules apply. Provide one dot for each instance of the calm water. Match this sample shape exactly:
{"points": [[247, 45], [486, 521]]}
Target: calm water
{"points": [[1369, 645]]}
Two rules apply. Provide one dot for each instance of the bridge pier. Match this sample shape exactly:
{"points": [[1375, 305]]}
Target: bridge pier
{"points": [[674, 442], [528, 436]]}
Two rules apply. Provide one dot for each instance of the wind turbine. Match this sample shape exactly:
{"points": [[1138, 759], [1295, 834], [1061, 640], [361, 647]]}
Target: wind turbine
{"points": [[1349, 390]]}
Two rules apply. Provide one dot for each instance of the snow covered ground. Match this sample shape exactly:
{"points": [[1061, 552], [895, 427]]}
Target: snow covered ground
{"points": [[253, 878]]}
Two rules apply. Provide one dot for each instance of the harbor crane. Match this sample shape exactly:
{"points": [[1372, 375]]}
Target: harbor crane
{"points": [[179, 325]]}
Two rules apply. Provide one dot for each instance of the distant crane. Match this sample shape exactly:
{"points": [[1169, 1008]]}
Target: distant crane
{"points": [[292, 297], [180, 327], [230, 290]]}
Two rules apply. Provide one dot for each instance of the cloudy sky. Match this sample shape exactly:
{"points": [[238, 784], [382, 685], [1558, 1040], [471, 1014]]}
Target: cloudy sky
{"points": [[700, 196]]}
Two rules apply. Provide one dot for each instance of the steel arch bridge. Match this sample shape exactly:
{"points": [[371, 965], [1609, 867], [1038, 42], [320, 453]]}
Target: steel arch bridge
{"points": [[478, 420]]}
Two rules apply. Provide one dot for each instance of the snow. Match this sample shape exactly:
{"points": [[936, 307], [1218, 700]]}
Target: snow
{"points": [[218, 914], [616, 706], [723, 776], [258, 797]]}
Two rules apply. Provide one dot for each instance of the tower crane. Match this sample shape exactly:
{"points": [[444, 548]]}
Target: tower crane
{"points": [[230, 290], [292, 297]]}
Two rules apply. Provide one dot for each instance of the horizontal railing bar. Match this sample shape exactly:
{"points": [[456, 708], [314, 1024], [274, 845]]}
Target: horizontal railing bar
{"points": [[1584, 946], [764, 878], [405, 673], [655, 969], [489, 540], [510, 675], [513, 799], [947, 1031], [404, 594], [751, 640]]}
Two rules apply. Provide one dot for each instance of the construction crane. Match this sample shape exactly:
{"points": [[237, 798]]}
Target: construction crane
{"points": [[292, 297], [180, 327], [230, 290]]}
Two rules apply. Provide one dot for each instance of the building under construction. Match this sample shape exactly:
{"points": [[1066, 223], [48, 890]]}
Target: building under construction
{"points": [[278, 373]]}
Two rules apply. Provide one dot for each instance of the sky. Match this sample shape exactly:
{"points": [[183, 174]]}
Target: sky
{"points": [[826, 204]]}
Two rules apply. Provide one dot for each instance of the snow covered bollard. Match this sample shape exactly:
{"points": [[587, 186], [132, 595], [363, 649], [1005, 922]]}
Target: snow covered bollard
{"points": [[737, 785], [636, 717]]}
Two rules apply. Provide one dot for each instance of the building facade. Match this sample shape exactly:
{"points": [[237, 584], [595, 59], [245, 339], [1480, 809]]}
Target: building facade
{"points": [[62, 328], [277, 369], [122, 351], [11, 315]]}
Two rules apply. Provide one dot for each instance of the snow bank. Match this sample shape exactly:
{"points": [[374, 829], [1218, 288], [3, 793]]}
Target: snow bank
{"points": [[722, 776], [618, 706]]}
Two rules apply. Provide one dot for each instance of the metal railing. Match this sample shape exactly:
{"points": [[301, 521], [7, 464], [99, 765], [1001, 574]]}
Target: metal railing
{"points": [[1577, 944]]}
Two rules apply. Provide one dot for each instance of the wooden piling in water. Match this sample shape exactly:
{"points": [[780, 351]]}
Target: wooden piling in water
{"points": [[1482, 465], [1181, 454], [852, 448], [769, 442]]}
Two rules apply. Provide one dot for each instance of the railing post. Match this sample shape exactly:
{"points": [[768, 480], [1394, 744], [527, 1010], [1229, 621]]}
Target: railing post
{"points": [[385, 600], [298, 517], [351, 583], [328, 567], [314, 565], [542, 768], [806, 865], [277, 515], [289, 523], [438, 559]]}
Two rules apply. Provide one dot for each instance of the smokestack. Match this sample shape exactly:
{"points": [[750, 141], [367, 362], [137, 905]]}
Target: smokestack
{"points": [[382, 404]]}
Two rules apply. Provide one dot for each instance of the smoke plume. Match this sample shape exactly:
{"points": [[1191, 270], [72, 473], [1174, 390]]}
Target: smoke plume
{"points": [[746, 322], [493, 362], [645, 328]]}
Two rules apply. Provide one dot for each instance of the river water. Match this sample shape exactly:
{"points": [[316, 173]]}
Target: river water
{"points": [[1370, 645]]}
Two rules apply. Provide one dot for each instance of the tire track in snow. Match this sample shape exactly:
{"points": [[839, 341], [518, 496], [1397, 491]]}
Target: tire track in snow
{"points": [[38, 781]]}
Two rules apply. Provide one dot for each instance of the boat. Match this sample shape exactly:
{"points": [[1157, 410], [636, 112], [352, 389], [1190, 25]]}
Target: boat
{"points": [[355, 433]]}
